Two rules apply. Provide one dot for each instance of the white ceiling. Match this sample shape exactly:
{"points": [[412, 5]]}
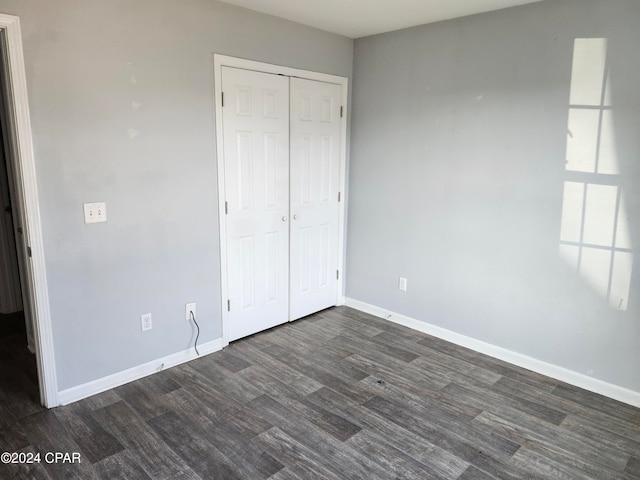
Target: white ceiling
{"points": [[359, 18]]}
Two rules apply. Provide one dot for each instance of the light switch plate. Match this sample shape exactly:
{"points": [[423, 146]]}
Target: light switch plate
{"points": [[95, 212]]}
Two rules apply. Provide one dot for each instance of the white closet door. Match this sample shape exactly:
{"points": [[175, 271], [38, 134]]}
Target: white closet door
{"points": [[256, 162], [315, 175]]}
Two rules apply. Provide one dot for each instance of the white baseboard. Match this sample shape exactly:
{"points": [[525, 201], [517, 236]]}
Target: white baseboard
{"points": [[100, 385], [554, 371]]}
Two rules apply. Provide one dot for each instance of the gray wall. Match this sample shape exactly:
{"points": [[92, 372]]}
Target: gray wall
{"points": [[87, 62], [458, 145]]}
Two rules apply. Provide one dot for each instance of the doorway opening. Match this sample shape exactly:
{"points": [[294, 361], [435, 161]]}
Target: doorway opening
{"points": [[24, 293]]}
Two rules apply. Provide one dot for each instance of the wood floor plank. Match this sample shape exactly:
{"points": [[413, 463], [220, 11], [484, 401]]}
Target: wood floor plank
{"points": [[7, 417], [301, 461], [19, 393], [120, 465], [147, 403], [288, 474], [353, 315], [96, 442], [599, 419], [296, 380], [330, 379], [488, 454], [371, 345], [455, 435], [324, 330], [267, 338], [203, 457], [228, 439], [633, 467], [440, 406], [423, 398], [586, 428], [25, 471], [528, 433], [395, 462], [224, 381], [252, 461], [493, 364], [249, 422], [220, 405], [339, 457], [229, 360], [203, 388], [311, 328], [156, 458], [548, 450], [333, 424], [598, 402], [389, 371], [101, 400], [487, 399], [330, 363], [314, 364], [336, 322], [47, 434], [472, 473], [191, 409], [428, 358], [548, 467], [560, 463], [13, 438], [442, 462], [160, 383]]}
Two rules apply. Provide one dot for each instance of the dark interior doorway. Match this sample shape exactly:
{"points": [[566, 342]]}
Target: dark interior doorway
{"points": [[19, 390], [19, 395]]}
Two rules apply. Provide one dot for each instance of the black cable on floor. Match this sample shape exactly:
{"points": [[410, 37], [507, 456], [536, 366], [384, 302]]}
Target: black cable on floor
{"points": [[195, 344]]}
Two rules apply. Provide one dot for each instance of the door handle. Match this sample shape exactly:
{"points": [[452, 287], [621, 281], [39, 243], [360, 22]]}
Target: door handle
{"points": [[295, 217], [284, 219]]}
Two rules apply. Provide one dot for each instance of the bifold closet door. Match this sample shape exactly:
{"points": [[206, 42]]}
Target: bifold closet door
{"points": [[256, 163], [315, 208]]}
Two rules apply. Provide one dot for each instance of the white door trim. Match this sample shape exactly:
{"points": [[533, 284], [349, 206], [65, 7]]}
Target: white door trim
{"points": [[24, 171], [223, 60]]}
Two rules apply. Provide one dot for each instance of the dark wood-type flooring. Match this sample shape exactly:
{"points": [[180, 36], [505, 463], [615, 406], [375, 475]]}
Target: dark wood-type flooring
{"points": [[338, 395]]}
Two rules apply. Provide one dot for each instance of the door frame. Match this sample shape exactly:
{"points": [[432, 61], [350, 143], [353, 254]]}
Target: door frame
{"points": [[21, 163], [220, 61]]}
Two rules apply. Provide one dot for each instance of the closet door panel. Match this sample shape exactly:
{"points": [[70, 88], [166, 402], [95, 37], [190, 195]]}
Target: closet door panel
{"points": [[315, 132], [256, 160]]}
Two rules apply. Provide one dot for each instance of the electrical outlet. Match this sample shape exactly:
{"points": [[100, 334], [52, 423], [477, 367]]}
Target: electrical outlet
{"points": [[402, 285], [145, 322], [188, 308]]}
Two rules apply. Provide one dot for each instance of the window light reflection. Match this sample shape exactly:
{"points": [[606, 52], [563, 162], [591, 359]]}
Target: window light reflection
{"points": [[594, 233]]}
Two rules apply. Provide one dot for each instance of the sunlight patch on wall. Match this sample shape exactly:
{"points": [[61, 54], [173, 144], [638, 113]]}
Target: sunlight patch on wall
{"points": [[594, 233], [588, 72]]}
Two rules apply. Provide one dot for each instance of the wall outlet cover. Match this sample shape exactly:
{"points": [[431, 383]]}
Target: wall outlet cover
{"points": [[188, 308], [145, 322]]}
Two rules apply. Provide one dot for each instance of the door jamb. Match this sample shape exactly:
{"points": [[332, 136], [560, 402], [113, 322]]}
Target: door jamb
{"points": [[220, 61], [22, 164]]}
